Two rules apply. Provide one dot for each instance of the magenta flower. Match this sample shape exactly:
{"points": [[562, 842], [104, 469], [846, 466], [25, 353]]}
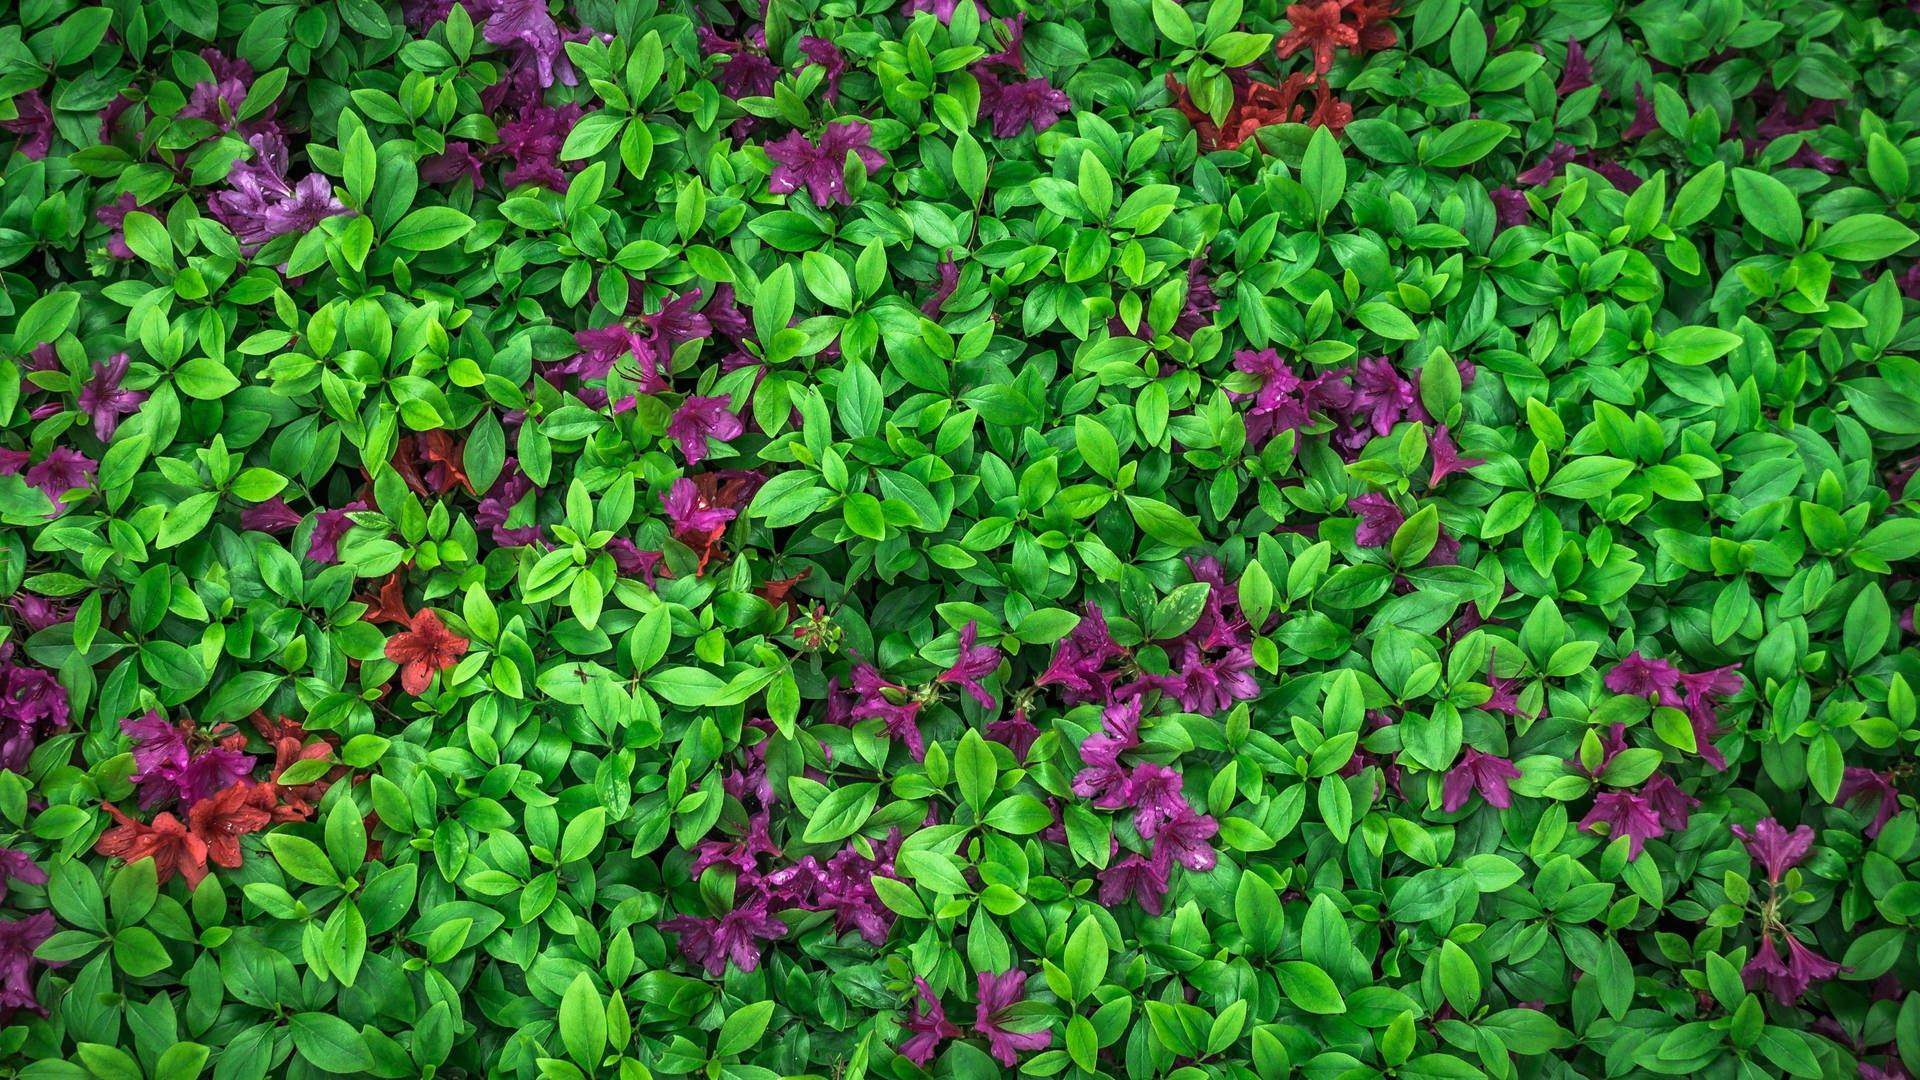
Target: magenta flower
{"points": [[1380, 519], [1509, 207], [1138, 878], [33, 707], [743, 853], [901, 719], [1673, 805], [1578, 74], [1155, 791], [821, 166], [1624, 815], [1380, 395], [456, 162], [1080, 662], [1857, 783], [1446, 456], [329, 526], [1551, 166], [34, 125], [930, 1027], [1009, 56], [949, 281], [114, 215], [824, 53], [1490, 775], [103, 398], [976, 662], [1700, 692], [1612, 746], [18, 940], [527, 25], [19, 866], [533, 141], [1014, 107], [1119, 732], [1207, 682], [735, 937], [942, 9], [61, 471], [310, 202], [1183, 838], [37, 612], [1505, 697], [1641, 677], [1786, 979], [699, 419], [688, 513], [998, 993], [272, 516], [1774, 847], [1016, 733], [1644, 121]]}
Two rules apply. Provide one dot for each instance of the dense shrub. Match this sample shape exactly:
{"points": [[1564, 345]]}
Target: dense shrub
{"points": [[1029, 538]]}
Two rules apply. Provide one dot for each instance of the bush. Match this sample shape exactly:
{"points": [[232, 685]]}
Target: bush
{"points": [[1031, 538]]}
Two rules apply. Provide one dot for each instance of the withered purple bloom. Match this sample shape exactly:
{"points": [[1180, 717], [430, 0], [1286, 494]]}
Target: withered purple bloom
{"points": [[1624, 815], [1862, 783], [103, 398], [1774, 847], [329, 526], [1488, 774], [1644, 121], [699, 419], [997, 994], [949, 281], [37, 612], [821, 166], [1014, 107], [1010, 56], [457, 161], [976, 662]]}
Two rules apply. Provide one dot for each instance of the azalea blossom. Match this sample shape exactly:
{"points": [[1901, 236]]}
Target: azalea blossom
{"points": [[1488, 774], [1774, 847], [929, 1025], [1319, 28], [975, 662], [998, 993], [821, 166], [1625, 815], [424, 648]]}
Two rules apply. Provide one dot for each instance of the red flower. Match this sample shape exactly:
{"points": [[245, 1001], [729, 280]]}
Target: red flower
{"points": [[1257, 105], [1318, 27], [390, 606], [426, 647], [168, 842], [219, 822], [1370, 24], [431, 463], [780, 591]]}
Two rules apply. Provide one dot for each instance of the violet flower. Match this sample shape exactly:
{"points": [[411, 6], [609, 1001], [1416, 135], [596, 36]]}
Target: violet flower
{"points": [[949, 281], [1080, 665], [1016, 733], [329, 526], [1446, 456], [18, 940], [33, 708], [1551, 166], [901, 720], [1183, 838], [37, 612], [19, 866], [1505, 697], [1490, 775], [526, 25], [1156, 793], [930, 1026], [821, 166], [975, 662], [1644, 121], [1786, 979], [699, 419], [1857, 783], [1509, 207], [457, 161], [114, 216], [61, 471], [1624, 815], [272, 516], [310, 202], [103, 398], [735, 937], [1700, 692], [942, 9], [533, 141], [688, 513], [1774, 847], [1642, 677], [1380, 519], [34, 125], [1010, 56], [1137, 878], [1674, 806], [1014, 107], [826, 55], [1119, 732], [1578, 74], [997, 994]]}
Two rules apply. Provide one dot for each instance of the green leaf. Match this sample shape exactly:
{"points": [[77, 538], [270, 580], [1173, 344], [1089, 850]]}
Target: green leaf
{"points": [[1864, 238], [430, 228], [1768, 205], [1163, 522], [330, 1043], [743, 1029], [841, 813], [1310, 989]]}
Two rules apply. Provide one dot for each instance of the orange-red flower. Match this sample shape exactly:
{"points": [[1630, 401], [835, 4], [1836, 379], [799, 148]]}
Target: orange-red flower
{"points": [[1320, 28], [1370, 25], [423, 649], [1257, 105], [780, 591], [219, 822], [390, 605], [172, 846]]}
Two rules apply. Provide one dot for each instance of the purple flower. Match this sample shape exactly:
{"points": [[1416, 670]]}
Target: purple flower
{"points": [[209, 773], [901, 720], [114, 216], [1774, 847], [930, 1026], [37, 612], [1119, 732], [34, 125], [1617, 174], [1552, 165], [19, 866], [329, 526], [1446, 456], [949, 281], [1505, 696], [1859, 783], [1700, 693], [527, 25], [1644, 122], [824, 53], [1016, 733], [942, 9], [723, 313], [1578, 74], [456, 161], [687, 512], [998, 993], [1201, 300], [311, 202], [103, 398], [1136, 877], [822, 166], [1079, 665], [1489, 774], [1380, 519], [735, 936], [33, 706], [741, 854], [976, 662], [18, 940], [534, 141], [1612, 746], [746, 74], [1786, 980], [630, 561], [1673, 805], [1380, 394], [1183, 838], [1013, 107], [61, 471], [272, 516], [1010, 56], [1509, 207], [1641, 677], [1624, 815], [1155, 791], [699, 419], [1208, 684]]}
